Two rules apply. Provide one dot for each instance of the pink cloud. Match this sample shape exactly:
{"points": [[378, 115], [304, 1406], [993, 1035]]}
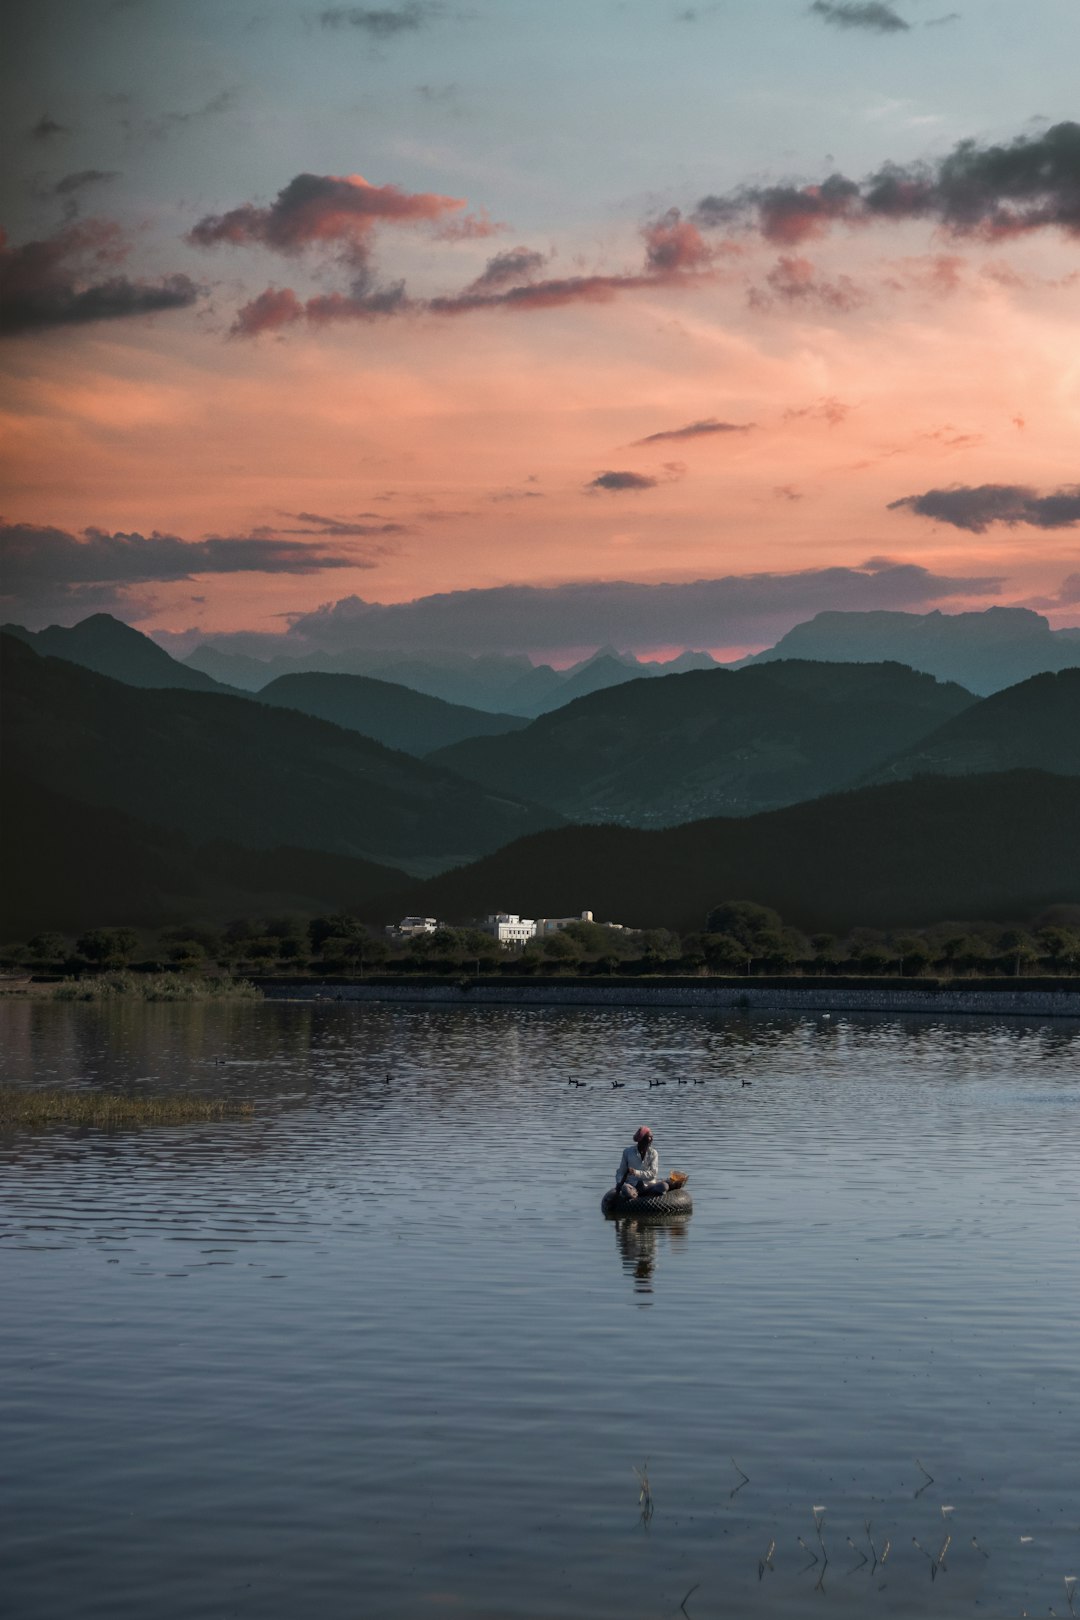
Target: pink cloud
{"points": [[323, 208]]}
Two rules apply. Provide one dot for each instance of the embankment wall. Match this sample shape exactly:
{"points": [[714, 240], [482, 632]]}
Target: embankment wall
{"points": [[931, 1000]]}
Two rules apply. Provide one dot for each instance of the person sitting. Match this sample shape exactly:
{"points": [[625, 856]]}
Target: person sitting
{"points": [[639, 1169]]}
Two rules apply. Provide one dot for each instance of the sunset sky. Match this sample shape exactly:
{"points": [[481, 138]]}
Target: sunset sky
{"points": [[311, 308]]}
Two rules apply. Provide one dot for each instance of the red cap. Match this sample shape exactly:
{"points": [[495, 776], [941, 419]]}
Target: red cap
{"points": [[642, 1131]]}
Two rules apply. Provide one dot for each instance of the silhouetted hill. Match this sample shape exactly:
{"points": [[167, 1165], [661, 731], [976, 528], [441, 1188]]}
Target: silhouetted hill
{"points": [[109, 647], [225, 767], [71, 866], [394, 715], [982, 651], [656, 752], [910, 853], [1032, 726]]}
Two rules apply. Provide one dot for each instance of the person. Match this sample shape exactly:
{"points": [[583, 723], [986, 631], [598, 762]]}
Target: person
{"points": [[639, 1168]]}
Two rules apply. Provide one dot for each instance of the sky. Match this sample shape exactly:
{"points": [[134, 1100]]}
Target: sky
{"points": [[547, 312]]}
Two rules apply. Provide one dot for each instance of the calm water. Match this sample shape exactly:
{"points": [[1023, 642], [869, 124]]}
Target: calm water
{"points": [[351, 1358]]}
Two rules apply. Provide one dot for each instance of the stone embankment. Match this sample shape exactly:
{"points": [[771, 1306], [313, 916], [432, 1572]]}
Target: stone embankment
{"points": [[930, 998]]}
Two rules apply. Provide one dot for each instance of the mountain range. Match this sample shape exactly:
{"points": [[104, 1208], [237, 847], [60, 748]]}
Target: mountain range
{"points": [[214, 766], [499, 683], [983, 651], [713, 742], [132, 800]]}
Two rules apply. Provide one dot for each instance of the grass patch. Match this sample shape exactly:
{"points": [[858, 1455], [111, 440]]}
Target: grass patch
{"points": [[29, 1108], [155, 987]]}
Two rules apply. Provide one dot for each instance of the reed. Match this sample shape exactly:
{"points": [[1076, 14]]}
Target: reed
{"points": [[155, 987], [108, 1111]]}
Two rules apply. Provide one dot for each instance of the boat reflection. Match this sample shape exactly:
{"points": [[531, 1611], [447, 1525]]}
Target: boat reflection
{"points": [[640, 1241]]}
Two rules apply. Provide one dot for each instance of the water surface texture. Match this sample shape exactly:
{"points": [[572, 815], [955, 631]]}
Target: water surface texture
{"points": [[375, 1352]]}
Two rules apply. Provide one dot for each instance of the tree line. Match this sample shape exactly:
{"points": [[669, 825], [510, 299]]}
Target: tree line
{"points": [[738, 937]]}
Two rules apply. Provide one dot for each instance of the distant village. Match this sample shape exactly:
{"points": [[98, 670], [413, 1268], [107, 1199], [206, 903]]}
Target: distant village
{"points": [[507, 928]]}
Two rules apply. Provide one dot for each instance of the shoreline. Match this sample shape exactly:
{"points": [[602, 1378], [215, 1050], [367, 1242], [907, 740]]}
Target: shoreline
{"points": [[979, 1000]]}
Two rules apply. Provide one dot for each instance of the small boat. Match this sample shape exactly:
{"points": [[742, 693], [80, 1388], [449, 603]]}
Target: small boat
{"points": [[676, 1201]]}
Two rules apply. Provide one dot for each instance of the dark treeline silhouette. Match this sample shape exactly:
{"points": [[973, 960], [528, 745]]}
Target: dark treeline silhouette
{"points": [[738, 937]]}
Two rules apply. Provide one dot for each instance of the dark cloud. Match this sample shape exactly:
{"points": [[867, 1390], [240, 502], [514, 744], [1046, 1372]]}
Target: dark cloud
{"points": [[47, 129], [673, 244], [939, 22], [616, 482], [996, 191], [82, 178], [785, 214], [976, 507], [340, 211], [508, 268], [739, 610], [63, 281], [1067, 596], [794, 280], [36, 554], [880, 19], [342, 528], [382, 22], [695, 430]]}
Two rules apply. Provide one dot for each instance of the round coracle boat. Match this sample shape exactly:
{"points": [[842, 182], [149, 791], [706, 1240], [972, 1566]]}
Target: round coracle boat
{"points": [[676, 1201]]}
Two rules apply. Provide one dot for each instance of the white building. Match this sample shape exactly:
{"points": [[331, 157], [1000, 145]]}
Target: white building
{"points": [[510, 929]]}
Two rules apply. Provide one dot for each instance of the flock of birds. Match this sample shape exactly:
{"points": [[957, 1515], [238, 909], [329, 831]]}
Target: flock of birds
{"points": [[620, 1085]]}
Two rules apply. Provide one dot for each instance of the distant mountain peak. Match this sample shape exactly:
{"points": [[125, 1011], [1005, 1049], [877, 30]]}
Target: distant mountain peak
{"points": [[110, 647]]}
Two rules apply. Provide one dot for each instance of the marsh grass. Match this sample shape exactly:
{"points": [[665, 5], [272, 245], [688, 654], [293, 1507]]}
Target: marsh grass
{"points": [[155, 987], [111, 1112]]}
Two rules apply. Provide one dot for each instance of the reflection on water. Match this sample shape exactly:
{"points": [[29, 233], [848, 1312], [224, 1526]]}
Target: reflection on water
{"points": [[351, 1356], [639, 1240]]}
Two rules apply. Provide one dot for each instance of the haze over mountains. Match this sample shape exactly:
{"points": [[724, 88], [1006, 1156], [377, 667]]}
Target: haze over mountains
{"points": [[496, 682], [983, 651]]}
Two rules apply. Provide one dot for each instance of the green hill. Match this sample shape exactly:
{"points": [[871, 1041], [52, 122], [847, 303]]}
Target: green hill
{"points": [[1032, 726], [213, 767], [393, 715], [659, 751], [71, 866], [1002, 847]]}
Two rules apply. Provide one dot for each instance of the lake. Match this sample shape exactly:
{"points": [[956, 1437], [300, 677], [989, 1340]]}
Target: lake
{"points": [[376, 1352]]}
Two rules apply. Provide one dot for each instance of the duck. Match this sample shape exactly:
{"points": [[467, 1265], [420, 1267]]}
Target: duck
{"points": [[617, 1085]]}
